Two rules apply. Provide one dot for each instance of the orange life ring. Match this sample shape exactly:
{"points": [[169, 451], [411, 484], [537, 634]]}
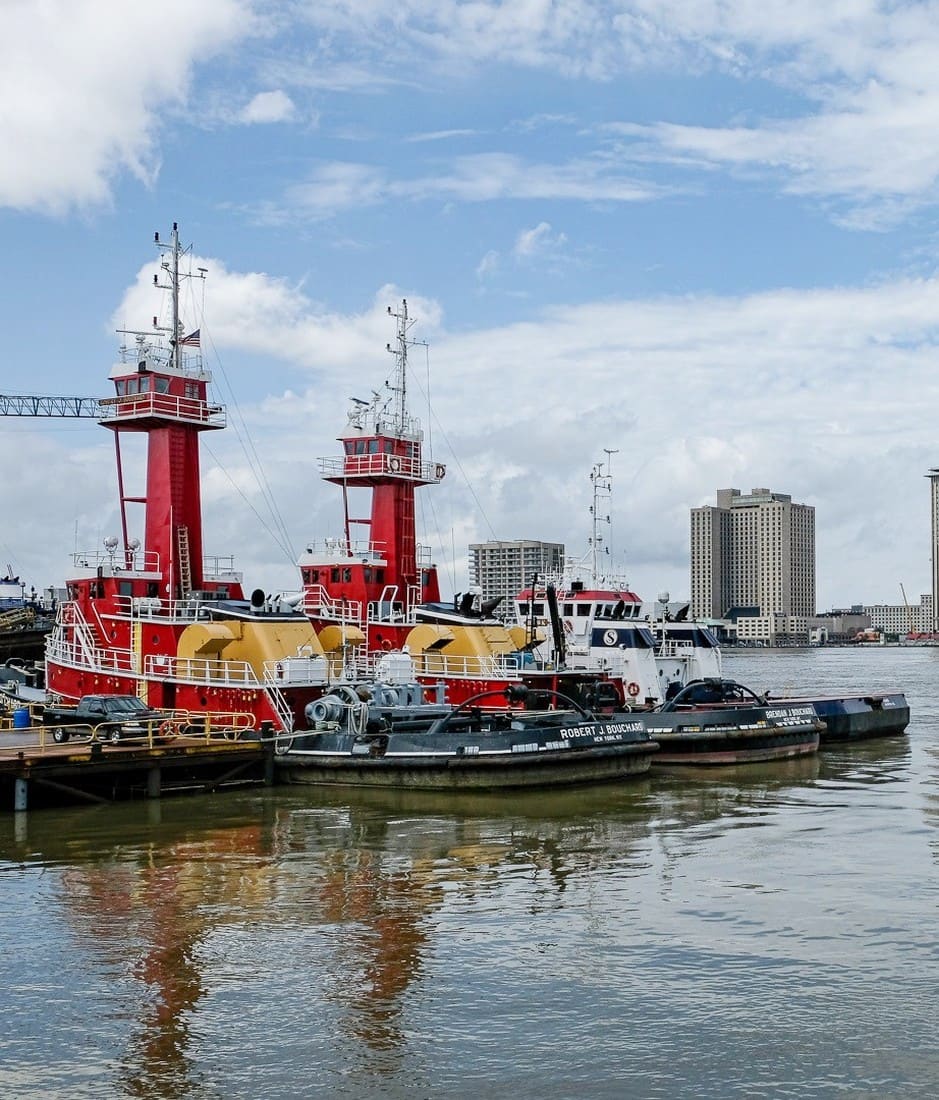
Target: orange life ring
{"points": [[633, 689], [439, 471]]}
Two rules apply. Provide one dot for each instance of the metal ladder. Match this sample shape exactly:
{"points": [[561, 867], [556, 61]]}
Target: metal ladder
{"points": [[185, 567], [84, 641], [276, 697]]}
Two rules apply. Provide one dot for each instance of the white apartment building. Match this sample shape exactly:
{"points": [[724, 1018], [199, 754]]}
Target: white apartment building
{"points": [[903, 618], [754, 550], [505, 568]]}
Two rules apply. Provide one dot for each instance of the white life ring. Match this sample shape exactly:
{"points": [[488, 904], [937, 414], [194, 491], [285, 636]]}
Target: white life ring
{"points": [[633, 689], [395, 463], [568, 626], [439, 471]]}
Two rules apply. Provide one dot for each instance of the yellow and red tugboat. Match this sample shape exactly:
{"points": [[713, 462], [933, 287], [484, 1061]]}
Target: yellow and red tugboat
{"points": [[155, 617]]}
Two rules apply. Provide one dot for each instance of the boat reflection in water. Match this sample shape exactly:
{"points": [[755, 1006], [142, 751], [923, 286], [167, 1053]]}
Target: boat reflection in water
{"points": [[325, 910]]}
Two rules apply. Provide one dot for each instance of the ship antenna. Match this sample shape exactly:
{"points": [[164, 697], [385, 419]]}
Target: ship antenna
{"points": [[400, 352], [602, 477]]}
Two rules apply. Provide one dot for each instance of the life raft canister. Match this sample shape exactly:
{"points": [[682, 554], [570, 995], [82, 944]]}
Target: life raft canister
{"points": [[633, 689]]}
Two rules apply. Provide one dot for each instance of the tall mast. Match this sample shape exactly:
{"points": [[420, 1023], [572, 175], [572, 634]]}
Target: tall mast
{"points": [[602, 477], [400, 352], [171, 267]]}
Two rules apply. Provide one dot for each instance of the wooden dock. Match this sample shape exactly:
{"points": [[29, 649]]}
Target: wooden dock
{"points": [[34, 771]]}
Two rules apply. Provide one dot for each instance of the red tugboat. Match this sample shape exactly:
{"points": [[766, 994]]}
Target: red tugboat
{"points": [[156, 619], [381, 592]]}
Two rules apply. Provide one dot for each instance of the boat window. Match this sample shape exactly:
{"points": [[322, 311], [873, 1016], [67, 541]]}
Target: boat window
{"points": [[125, 588], [348, 446], [347, 575], [162, 385], [568, 610], [306, 575], [389, 446], [373, 446], [334, 576], [367, 575], [119, 387], [360, 446], [584, 608], [538, 609]]}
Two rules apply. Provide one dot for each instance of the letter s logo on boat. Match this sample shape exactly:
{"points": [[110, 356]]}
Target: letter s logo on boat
{"points": [[610, 637]]}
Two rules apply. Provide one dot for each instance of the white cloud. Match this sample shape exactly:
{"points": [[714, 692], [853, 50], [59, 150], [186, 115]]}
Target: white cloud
{"points": [[488, 265], [82, 82], [798, 390], [441, 135], [484, 177], [265, 107], [802, 391], [859, 76], [538, 241]]}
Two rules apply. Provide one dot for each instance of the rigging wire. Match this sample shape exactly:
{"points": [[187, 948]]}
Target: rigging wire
{"points": [[281, 535], [456, 461]]}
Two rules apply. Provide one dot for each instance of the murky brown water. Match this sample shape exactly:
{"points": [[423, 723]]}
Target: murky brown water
{"points": [[766, 931]]}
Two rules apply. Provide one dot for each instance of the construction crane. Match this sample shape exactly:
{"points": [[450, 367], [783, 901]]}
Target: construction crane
{"points": [[909, 611], [25, 405]]}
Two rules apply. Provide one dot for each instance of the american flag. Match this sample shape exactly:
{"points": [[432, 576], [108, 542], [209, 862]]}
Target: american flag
{"points": [[191, 341]]}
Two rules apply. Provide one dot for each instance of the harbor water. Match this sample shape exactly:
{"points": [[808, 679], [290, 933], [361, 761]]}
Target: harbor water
{"points": [[759, 931]]}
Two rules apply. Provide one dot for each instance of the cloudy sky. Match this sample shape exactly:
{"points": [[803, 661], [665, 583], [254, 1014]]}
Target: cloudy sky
{"points": [[700, 234]]}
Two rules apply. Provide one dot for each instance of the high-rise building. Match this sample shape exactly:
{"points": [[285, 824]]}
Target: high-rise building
{"points": [[753, 554], [933, 476], [505, 568]]}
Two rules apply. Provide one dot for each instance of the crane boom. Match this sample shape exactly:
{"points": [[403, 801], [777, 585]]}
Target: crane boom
{"points": [[909, 610], [25, 405]]}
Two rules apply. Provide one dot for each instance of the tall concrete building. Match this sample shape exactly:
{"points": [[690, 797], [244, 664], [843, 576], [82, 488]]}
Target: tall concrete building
{"points": [[505, 568], [753, 551], [933, 476]]}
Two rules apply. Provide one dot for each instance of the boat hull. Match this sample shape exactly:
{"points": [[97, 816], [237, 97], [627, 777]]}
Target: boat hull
{"points": [[859, 717], [470, 773], [734, 735], [735, 746]]}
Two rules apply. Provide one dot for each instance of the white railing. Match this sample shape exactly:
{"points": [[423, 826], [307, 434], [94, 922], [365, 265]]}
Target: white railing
{"points": [[89, 659], [382, 465], [201, 670], [166, 406], [116, 561], [316, 601], [500, 667], [335, 551]]}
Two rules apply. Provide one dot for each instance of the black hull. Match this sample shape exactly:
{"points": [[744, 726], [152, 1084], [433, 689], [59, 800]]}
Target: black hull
{"points": [[28, 645], [857, 717], [723, 735], [470, 773], [740, 748], [860, 717]]}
